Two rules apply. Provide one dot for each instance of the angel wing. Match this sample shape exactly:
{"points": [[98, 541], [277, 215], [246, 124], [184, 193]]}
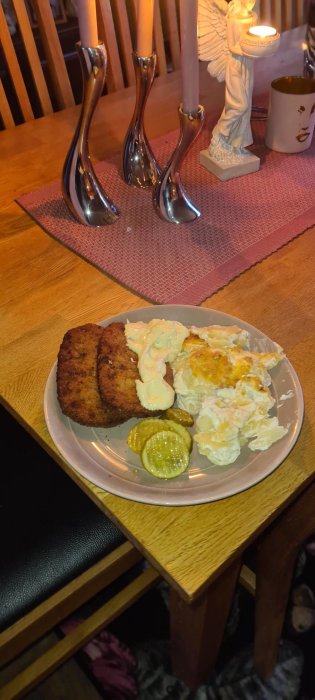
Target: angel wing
{"points": [[212, 36]]}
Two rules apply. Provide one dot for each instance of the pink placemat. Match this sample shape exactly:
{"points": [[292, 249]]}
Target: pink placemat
{"points": [[243, 220]]}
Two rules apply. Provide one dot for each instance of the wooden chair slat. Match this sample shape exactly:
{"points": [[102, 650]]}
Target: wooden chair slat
{"points": [[117, 21], [107, 33], [300, 11], [125, 42], [14, 68], [247, 579], [133, 9], [277, 17], [159, 40], [5, 110], [265, 11], [32, 55], [53, 51], [173, 32], [288, 14], [283, 14]]}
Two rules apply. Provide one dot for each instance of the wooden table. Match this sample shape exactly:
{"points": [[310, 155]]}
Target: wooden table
{"points": [[46, 289]]}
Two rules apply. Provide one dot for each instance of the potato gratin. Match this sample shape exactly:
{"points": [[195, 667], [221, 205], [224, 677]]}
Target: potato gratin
{"points": [[217, 378]]}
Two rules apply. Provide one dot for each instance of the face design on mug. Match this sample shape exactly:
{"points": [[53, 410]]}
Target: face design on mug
{"points": [[305, 123]]}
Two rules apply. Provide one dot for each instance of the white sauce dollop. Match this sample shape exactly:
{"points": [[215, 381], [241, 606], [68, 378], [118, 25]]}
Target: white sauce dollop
{"points": [[155, 343]]}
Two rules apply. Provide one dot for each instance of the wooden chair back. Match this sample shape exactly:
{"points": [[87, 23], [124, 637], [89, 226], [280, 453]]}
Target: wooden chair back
{"points": [[59, 555], [117, 21], [51, 89], [52, 611], [15, 73], [283, 14]]}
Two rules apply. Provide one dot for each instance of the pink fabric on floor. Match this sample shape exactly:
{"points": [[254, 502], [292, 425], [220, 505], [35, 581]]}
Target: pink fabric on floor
{"points": [[111, 662], [243, 221]]}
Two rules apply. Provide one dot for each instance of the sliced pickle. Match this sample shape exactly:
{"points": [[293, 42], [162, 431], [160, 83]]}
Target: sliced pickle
{"points": [[140, 432], [181, 430], [165, 455], [180, 416]]}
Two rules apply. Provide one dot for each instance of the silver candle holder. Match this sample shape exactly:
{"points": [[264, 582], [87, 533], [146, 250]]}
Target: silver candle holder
{"points": [[170, 200], [139, 166], [81, 189]]}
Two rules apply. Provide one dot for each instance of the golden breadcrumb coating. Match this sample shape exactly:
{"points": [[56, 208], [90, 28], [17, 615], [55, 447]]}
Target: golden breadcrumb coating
{"points": [[118, 372], [77, 386]]}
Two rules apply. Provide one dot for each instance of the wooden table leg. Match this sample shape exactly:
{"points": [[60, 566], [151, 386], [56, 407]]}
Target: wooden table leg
{"points": [[276, 559], [197, 628]]}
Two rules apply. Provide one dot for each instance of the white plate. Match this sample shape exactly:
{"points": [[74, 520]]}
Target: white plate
{"points": [[102, 455]]}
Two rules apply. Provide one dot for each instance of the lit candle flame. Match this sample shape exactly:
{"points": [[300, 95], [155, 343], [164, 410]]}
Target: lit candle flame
{"points": [[262, 31]]}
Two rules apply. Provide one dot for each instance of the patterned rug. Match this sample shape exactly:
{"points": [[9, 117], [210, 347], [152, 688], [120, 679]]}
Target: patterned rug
{"points": [[144, 673], [237, 681]]}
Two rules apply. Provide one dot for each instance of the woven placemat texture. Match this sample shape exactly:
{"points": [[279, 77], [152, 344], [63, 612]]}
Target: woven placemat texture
{"points": [[242, 221]]}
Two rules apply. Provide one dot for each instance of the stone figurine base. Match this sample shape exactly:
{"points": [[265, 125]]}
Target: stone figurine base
{"points": [[226, 171]]}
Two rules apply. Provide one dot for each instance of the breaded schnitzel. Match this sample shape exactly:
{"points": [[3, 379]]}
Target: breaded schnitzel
{"points": [[77, 386], [117, 368]]}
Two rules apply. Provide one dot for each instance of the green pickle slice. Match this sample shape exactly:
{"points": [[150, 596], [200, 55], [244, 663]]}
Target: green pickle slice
{"points": [[179, 416], [165, 454], [181, 430], [143, 430]]}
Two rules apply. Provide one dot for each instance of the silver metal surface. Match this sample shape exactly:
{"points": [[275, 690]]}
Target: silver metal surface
{"points": [[309, 52], [169, 197], [81, 189], [139, 166]]}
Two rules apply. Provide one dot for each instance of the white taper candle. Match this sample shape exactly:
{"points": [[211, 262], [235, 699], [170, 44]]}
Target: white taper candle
{"points": [[189, 55], [87, 22], [145, 27]]}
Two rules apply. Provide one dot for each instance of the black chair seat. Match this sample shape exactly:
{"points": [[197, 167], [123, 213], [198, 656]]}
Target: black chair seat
{"points": [[50, 531]]}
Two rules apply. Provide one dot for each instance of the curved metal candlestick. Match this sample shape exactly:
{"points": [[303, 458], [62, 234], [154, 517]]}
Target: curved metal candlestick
{"points": [[139, 165], [169, 197], [81, 189]]}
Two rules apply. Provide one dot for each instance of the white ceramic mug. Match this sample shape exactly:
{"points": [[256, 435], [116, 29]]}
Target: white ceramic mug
{"points": [[291, 114]]}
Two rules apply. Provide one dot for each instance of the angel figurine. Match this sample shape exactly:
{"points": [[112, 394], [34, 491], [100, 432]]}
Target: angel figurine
{"points": [[221, 24]]}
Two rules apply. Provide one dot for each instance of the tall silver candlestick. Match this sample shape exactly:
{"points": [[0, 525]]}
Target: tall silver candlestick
{"points": [[139, 166], [81, 189], [170, 200]]}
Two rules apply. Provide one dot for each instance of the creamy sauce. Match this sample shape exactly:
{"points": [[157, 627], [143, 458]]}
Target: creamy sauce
{"points": [[155, 343]]}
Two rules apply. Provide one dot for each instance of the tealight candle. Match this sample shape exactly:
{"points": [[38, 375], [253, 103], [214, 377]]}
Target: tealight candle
{"points": [[260, 40], [262, 31], [189, 56], [87, 22], [145, 15]]}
